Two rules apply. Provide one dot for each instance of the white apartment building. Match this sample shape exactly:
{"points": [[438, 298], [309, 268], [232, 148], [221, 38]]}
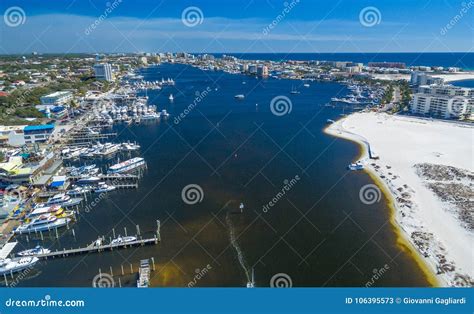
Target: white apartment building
{"points": [[444, 101], [103, 71], [57, 98]]}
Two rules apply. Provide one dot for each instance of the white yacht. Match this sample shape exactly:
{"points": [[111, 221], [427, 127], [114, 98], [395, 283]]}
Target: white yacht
{"points": [[127, 165], [123, 240], [63, 200], [35, 251], [171, 98], [13, 265], [43, 223], [103, 187]]}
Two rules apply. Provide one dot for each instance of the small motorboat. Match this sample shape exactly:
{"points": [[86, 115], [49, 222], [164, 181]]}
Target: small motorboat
{"points": [[356, 166], [35, 251], [123, 240], [103, 187]]}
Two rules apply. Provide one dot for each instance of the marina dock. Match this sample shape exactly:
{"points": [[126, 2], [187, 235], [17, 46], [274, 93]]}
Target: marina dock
{"points": [[100, 248]]}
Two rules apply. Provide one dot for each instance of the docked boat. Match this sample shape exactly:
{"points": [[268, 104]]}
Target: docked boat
{"points": [[164, 113], [35, 251], [14, 265], [123, 240], [43, 223], [130, 146], [150, 116], [63, 200], [88, 180], [127, 165], [77, 191], [356, 166], [55, 210], [330, 121], [103, 187]]}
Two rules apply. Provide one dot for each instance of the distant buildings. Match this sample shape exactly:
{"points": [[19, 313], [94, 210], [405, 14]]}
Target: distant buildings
{"points": [[57, 98], [397, 65], [422, 78], [143, 60], [103, 71], [444, 101], [262, 71]]}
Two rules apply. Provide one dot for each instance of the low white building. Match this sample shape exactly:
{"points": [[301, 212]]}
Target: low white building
{"points": [[57, 98]]}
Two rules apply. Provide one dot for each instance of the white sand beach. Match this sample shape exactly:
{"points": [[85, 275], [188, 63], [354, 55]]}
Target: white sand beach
{"points": [[433, 202]]}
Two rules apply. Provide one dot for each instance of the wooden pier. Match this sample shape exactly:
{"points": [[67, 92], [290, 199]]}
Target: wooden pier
{"points": [[100, 248]]}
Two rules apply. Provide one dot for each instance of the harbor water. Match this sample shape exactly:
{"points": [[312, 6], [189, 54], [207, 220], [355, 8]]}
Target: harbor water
{"points": [[302, 217]]}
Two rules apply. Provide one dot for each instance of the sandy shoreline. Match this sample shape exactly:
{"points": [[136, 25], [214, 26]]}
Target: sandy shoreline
{"points": [[431, 226]]}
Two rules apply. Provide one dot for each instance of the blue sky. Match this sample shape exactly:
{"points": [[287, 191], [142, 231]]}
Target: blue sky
{"points": [[236, 26]]}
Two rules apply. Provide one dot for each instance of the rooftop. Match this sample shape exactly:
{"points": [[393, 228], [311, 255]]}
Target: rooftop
{"points": [[39, 127]]}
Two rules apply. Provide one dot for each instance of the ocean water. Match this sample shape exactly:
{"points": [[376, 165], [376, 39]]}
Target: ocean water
{"points": [[317, 232], [464, 60]]}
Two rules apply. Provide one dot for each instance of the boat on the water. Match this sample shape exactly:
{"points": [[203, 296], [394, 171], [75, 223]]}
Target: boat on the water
{"points": [[356, 166], [171, 98], [239, 96], [88, 180], [63, 200], [78, 190], [251, 284], [103, 187], [127, 165], [42, 223], [35, 251], [14, 265], [123, 240]]}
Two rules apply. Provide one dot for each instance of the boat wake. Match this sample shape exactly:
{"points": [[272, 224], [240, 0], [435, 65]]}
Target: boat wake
{"points": [[235, 243]]}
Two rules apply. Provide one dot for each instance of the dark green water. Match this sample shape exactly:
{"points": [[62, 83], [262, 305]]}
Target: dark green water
{"points": [[319, 233]]}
